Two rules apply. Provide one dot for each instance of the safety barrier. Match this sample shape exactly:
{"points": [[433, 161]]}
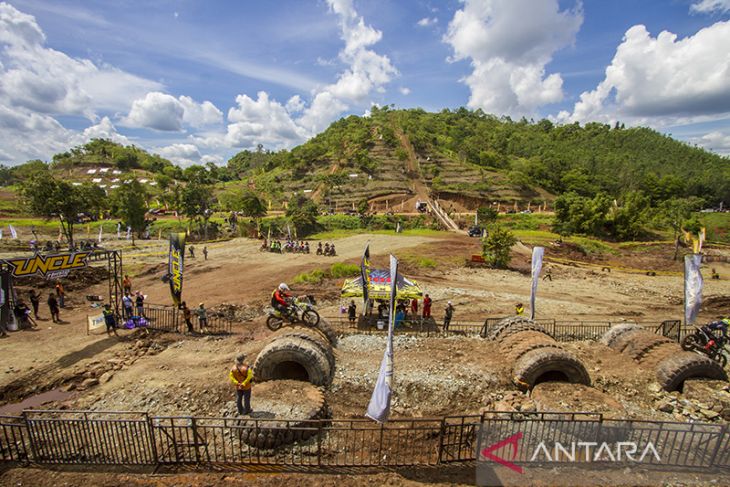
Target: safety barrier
{"points": [[561, 330], [170, 319], [115, 438]]}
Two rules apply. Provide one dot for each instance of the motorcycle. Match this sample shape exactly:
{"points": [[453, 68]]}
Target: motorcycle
{"points": [[706, 342], [300, 311]]}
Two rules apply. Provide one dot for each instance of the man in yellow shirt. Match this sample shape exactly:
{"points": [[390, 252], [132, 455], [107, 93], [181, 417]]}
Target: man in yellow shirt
{"points": [[241, 375]]}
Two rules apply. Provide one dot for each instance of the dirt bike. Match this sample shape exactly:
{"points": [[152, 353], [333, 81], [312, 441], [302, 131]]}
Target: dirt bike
{"points": [[708, 343], [300, 311]]}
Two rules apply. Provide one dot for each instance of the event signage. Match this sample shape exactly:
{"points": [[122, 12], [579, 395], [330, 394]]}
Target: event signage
{"points": [[175, 266], [48, 266]]}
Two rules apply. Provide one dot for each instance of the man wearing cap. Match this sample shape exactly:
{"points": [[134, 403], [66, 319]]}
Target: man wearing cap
{"points": [[202, 317], [448, 313], [241, 375]]}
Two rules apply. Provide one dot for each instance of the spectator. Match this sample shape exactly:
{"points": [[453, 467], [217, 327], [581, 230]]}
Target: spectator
{"points": [[414, 308], [110, 320], [53, 307], [127, 285], [187, 316], [22, 313], [352, 312], [205, 252], [35, 301], [191, 249], [382, 309], [426, 306], [241, 375], [61, 294], [519, 309], [400, 315], [548, 274], [448, 314], [202, 317], [139, 303], [128, 305]]}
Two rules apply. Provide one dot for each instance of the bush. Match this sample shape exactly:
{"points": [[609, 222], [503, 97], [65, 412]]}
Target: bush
{"points": [[314, 277], [497, 246], [341, 269]]}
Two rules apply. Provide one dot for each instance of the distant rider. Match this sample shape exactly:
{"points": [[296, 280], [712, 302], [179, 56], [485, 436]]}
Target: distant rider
{"points": [[279, 299]]}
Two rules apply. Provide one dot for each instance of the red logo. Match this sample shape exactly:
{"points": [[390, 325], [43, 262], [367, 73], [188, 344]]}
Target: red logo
{"points": [[512, 440]]}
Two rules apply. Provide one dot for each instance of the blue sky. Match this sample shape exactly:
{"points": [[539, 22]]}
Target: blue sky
{"points": [[198, 81]]}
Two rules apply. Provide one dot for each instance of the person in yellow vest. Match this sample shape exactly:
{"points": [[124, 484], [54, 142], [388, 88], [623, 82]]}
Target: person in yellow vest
{"points": [[241, 375], [519, 309]]}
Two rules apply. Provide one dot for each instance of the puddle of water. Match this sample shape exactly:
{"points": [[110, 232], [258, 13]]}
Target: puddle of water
{"points": [[34, 401]]}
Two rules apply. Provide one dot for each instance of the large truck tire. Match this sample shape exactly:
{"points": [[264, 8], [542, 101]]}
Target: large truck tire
{"points": [[544, 365], [673, 371], [293, 358]]}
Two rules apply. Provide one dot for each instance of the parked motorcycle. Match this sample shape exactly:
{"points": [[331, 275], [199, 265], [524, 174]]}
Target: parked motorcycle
{"points": [[301, 310], [704, 341]]}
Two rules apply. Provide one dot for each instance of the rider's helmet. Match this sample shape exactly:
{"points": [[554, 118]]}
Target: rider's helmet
{"points": [[283, 287], [726, 321]]}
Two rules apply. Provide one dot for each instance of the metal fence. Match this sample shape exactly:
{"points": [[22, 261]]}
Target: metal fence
{"points": [[561, 330], [94, 438], [170, 319]]}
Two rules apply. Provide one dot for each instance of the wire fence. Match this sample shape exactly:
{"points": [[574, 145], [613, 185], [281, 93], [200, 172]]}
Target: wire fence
{"points": [[561, 330], [116, 438]]}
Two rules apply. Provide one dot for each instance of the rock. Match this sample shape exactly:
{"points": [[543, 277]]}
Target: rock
{"points": [[106, 377], [709, 414], [89, 382], [654, 387], [69, 387], [138, 344], [666, 407]]}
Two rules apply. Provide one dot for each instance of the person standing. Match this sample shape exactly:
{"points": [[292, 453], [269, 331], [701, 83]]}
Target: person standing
{"points": [[128, 306], [352, 312], [548, 274], [139, 303], [519, 309], [187, 316], [426, 306], [127, 285], [241, 375], [61, 294], [205, 252], [202, 317], [192, 251], [35, 301], [414, 308], [448, 314], [110, 320], [53, 307]]}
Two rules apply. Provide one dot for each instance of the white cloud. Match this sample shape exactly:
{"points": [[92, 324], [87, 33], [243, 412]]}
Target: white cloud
{"points": [[715, 141], [160, 111], [427, 21], [105, 129], [663, 80], [43, 80], [181, 154], [509, 44], [215, 159], [404, 90], [267, 121], [710, 6]]}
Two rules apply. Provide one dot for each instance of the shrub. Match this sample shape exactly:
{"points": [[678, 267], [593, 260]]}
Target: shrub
{"points": [[497, 246]]}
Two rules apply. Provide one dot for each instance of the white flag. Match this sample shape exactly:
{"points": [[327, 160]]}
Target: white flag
{"points": [[692, 287], [13, 233], [379, 407], [537, 253], [1, 233], [119, 230], [100, 229], [129, 233]]}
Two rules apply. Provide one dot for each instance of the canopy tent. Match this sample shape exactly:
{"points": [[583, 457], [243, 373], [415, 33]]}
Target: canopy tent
{"points": [[379, 287]]}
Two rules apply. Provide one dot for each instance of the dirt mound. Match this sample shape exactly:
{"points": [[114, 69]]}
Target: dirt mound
{"points": [[560, 396], [716, 304]]}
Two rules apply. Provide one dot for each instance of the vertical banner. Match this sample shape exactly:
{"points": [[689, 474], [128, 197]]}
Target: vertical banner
{"points": [[101, 227], [119, 230], [365, 276], [379, 407], [692, 287], [13, 233], [129, 233], [176, 265], [537, 253]]}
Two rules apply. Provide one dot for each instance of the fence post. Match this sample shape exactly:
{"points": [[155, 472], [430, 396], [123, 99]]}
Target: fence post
{"points": [[442, 432], [319, 444], [718, 445], [194, 426], [33, 450], [153, 442], [380, 444]]}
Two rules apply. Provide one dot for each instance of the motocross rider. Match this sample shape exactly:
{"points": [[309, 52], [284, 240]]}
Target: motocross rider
{"points": [[279, 299]]}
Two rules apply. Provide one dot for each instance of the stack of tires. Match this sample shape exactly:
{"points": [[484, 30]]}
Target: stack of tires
{"points": [[535, 354], [671, 364]]}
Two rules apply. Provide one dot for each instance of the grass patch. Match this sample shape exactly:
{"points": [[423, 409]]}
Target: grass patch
{"points": [[344, 233], [337, 270]]}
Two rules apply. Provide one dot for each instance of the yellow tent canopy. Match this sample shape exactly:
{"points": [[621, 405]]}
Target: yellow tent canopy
{"points": [[379, 286]]}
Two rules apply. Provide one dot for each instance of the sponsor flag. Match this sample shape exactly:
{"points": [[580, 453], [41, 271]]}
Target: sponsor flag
{"points": [[100, 232], [176, 265], [379, 407], [13, 233], [119, 230], [692, 287], [365, 275], [537, 253]]}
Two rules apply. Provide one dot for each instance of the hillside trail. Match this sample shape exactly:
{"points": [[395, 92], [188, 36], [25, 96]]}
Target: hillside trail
{"points": [[317, 194], [418, 186]]}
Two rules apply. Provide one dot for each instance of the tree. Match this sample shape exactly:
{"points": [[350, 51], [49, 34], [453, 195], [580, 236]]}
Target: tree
{"points": [[243, 200], [197, 202], [674, 214], [48, 197], [487, 215], [303, 214], [580, 214], [629, 219], [497, 246], [129, 204]]}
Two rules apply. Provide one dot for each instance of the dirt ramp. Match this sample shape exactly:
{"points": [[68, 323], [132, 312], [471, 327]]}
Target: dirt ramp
{"points": [[536, 356], [670, 363]]}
